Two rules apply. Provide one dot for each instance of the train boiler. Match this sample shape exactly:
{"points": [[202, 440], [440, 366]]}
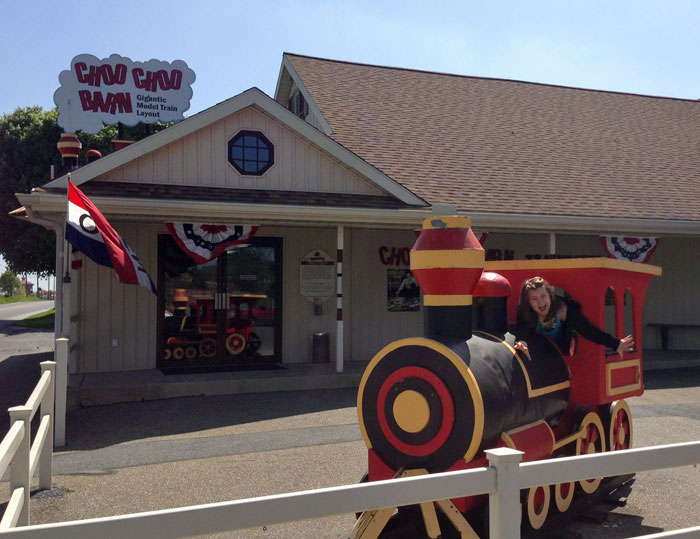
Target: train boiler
{"points": [[434, 403]]}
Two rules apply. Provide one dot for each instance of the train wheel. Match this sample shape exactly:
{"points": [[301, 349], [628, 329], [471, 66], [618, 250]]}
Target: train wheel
{"points": [[167, 354], [537, 506], [254, 342], [592, 441], [178, 352], [207, 348], [190, 352], [235, 343], [564, 495], [620, 426]]}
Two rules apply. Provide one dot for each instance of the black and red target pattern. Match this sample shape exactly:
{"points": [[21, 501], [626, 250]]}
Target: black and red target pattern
{"points": [[449, 428], [439, 424]]}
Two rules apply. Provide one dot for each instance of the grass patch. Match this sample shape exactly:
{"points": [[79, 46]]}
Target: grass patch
{"points": [[16, 299], [39, 321]]}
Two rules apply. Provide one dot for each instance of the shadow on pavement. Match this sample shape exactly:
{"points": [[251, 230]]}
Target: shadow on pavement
{"points": [[18, 376], [101, 426]]}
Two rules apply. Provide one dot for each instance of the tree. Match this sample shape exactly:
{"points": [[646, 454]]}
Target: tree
{"points": [[9, 282], [28, 139]]}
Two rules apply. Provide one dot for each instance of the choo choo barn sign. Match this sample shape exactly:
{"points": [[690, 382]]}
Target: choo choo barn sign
{"points": [[117, 90]]}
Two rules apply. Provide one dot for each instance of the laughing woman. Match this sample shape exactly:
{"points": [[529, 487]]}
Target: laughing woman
{"points": [[541, 312]]}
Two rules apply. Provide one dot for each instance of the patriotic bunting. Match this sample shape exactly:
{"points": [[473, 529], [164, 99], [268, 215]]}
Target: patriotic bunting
{"points": [[204, 242], [628, 248]]}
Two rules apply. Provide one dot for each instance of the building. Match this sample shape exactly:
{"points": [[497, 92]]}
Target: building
{"points": [[337, 171]]}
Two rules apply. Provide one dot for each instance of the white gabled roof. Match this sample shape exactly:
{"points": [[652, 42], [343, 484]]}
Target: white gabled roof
{"points": [[254, 97]]}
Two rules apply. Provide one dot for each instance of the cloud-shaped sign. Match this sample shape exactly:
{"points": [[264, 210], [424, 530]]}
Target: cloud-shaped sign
{"points": [[118, 90]]}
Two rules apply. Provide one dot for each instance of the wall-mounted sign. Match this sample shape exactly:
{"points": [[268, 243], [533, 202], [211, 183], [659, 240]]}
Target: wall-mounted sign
{"points": [[317, 275], [118, 90]]}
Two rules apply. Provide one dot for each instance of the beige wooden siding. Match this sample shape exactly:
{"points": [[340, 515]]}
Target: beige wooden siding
{"points": [[200, 159], [299, 320], [116, 322], [369, 326]]}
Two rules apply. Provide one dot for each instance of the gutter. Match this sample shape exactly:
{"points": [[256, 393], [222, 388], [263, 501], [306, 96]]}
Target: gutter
{"points": [[269, 213]]}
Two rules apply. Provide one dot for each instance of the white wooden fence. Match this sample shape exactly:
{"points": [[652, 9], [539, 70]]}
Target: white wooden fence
{"points": [[21, 455], [502, 480]]}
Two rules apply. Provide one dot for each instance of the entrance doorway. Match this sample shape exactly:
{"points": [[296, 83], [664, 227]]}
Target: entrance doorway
{"points": [[222, 314]]}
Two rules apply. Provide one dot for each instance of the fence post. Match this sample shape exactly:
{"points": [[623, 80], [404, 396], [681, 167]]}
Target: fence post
{"points": [[47, 409], [19, 469], [61, 390], [504, 503]]}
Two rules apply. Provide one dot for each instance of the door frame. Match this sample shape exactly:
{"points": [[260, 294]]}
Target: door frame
{"points": [[262, 361]]}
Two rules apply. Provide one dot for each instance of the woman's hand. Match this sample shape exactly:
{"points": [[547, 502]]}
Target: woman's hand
{"points": [[522, 346], [626, 345]]}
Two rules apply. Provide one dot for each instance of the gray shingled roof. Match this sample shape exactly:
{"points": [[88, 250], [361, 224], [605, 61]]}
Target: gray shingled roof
{"points": [[492, 145]]}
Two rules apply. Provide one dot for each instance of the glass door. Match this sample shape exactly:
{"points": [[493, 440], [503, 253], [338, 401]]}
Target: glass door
{"points": [[225, 313]]}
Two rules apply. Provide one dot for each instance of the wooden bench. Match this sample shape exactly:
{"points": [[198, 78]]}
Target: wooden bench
{"points": [[664, 327]]}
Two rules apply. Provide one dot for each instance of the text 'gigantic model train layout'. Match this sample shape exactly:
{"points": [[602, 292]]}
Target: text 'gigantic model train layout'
{"points": [[434, 403]]}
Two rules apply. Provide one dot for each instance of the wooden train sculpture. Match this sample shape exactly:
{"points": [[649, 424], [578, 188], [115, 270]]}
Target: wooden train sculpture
{"points": [[194, 335], [435, 403]]}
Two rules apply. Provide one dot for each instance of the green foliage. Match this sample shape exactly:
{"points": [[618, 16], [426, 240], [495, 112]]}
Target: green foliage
{"points": [[9, 282], [28, 139], [39, 321]]}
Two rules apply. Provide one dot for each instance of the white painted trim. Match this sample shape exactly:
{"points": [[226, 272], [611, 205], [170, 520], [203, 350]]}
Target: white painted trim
{"points": [[313, 107], [494, 222], [251, 97], [339, 300]]}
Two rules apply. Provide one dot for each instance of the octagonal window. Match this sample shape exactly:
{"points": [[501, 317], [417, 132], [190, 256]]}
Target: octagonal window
{"points": [[251, 153]]}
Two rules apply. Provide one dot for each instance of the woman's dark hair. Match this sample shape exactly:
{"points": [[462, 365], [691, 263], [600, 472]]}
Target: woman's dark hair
{"points": [[525, 312]]}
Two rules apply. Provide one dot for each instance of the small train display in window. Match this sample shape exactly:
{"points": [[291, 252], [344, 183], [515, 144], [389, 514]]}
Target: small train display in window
{"points": [[193, 326], [435, 402]]}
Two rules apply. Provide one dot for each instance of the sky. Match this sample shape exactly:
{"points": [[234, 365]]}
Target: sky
{"points": [[636, 46]]}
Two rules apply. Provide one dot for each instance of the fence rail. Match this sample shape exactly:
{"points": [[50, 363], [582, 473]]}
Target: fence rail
{"points": [[502, 480], [21, 456]]}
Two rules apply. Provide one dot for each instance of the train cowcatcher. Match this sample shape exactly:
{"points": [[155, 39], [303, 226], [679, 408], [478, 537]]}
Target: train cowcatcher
{"points": [[435, 402]]}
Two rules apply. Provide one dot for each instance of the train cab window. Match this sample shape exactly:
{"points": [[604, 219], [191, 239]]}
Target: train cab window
{"points": [[629, 314], [610, 311]]}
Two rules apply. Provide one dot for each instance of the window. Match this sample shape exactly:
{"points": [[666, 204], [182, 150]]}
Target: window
{"points": [[251, 153]]}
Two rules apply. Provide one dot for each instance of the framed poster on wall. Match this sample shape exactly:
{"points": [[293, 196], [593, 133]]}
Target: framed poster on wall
{"points": [[402, 291]]}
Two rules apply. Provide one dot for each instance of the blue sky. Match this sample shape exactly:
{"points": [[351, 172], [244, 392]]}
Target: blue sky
{"points": [[639, 46], [648, 47]]}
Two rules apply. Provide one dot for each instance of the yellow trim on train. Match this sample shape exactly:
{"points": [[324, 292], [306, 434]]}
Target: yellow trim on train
{"points": [[531, 393], [571, 263], [446, 221], [445, 300], [615, 365], [447, 258], [461, 367]]}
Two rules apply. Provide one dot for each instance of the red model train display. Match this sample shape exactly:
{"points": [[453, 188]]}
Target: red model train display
{"points": [[435, 403]]}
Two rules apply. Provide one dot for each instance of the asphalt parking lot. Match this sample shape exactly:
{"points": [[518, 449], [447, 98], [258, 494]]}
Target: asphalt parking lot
{"points": [[134, 457]]}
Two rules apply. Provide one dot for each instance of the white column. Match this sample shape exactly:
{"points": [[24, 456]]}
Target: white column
{"points": [[339, 301], [19, 469], [47, 409], [504, 504], [552, 243]]}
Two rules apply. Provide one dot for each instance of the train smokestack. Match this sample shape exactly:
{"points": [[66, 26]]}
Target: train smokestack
{"points": [[447, 261]]}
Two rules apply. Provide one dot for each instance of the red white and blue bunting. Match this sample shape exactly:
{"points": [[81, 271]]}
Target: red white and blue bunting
{"points": [[630, 249], [204, 242]]}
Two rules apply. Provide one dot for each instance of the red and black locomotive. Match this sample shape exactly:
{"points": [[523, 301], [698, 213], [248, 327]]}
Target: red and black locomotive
{"points": [[435, 403]]}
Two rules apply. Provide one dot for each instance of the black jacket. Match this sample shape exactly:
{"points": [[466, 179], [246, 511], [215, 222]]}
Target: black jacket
{"points": [[575, 323]]}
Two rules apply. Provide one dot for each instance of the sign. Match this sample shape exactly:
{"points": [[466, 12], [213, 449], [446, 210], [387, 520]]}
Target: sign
{"points": [[317, 275], [117, 90]]}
